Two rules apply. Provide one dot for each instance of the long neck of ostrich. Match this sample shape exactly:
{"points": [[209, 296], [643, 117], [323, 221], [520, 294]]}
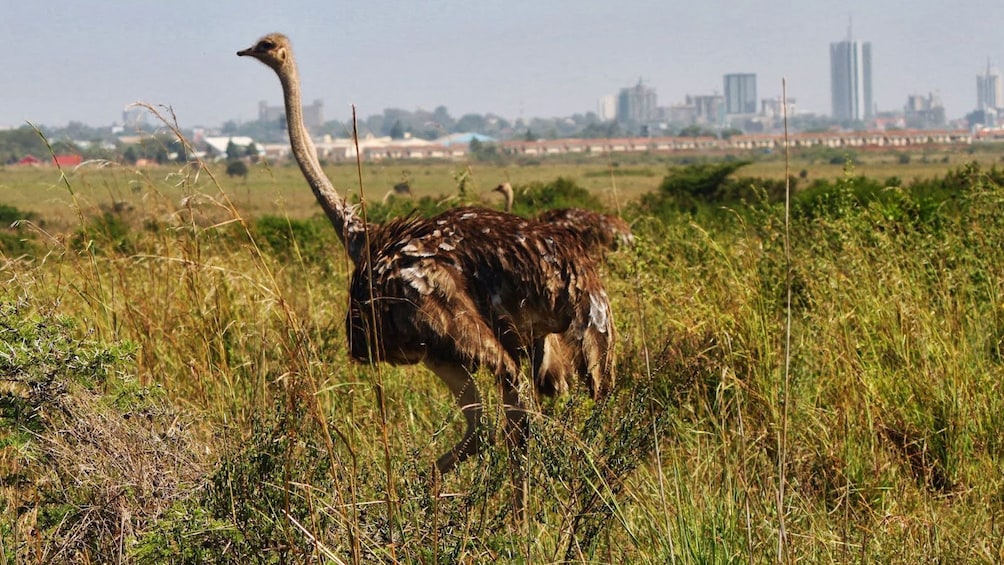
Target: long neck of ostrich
{"points": [[348, 224], [509, 196]]}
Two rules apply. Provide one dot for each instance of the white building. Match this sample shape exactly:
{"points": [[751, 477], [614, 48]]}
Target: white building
{"points": [[606, 108]]}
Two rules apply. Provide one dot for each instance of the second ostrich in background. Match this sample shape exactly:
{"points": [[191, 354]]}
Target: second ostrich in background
{"points": [[470, 288], [596, 230], [402, 188]]}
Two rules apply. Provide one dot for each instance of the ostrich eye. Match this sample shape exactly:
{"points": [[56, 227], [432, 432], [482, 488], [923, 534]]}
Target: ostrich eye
{"points": [[266, 45]]}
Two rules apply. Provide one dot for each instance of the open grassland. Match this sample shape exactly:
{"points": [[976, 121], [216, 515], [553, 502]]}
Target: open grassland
{"points": [[280, 189], [176, 386]]}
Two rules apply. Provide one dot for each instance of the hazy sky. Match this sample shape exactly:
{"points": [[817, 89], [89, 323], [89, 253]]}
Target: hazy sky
{"points": [[84, 61]]}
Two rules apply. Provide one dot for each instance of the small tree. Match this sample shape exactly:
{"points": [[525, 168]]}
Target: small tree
{"points": [[696, 131], [160, 155], [233, 151], [251, 151], [397, 130], [129, 155], [728, 133]]}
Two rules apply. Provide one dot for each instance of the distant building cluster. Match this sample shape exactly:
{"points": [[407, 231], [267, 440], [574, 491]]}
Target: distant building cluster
{"points": [[852, 102], [637, 108], [740, 106], [923, 111]]}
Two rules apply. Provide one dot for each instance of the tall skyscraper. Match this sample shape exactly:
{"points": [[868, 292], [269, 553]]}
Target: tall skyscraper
{"points": [[636, 105], [740, 93], [989, 94], [851, 80]]}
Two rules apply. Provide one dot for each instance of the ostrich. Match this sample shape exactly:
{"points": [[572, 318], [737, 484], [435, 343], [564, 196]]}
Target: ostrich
{"points": [[470, 288], [402, 188], [597, 231]]}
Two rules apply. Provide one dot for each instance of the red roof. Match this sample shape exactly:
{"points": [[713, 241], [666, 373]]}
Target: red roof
{"points": [[67, 160], [29, 160]]}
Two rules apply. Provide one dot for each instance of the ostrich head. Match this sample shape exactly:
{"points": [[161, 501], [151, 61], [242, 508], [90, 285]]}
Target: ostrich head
{"points": [[273, 50], [505, 189]]}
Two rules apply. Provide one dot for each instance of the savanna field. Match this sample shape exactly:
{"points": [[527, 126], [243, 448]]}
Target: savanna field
{"points": [[175, 385]]}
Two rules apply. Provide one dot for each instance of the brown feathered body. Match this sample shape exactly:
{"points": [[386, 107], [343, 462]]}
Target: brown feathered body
{"points": [[486, 289], [598, 232]]}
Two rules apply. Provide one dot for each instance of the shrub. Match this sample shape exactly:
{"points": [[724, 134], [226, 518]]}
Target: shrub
{"points": [[102, 457], [398, 207], [563, 192], [237, 169], [14, 239], [704, 189]]}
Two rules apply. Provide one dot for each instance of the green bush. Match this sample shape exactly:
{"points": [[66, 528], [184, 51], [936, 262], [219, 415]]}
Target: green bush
{"points": [[237, 169], [399, 207], [15, 240], [101, 455], [563, 192], [709, 190]]}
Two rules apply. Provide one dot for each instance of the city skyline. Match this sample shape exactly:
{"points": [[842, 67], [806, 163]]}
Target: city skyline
{"points": [[514, 59]]}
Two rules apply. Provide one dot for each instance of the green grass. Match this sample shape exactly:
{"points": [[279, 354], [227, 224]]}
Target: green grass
{"points": [[203, 323], [280, 189]]}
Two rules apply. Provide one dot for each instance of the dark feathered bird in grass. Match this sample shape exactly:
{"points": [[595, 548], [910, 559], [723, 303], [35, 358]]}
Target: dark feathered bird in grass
{"points": [[596, 230], [470, 288]]}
